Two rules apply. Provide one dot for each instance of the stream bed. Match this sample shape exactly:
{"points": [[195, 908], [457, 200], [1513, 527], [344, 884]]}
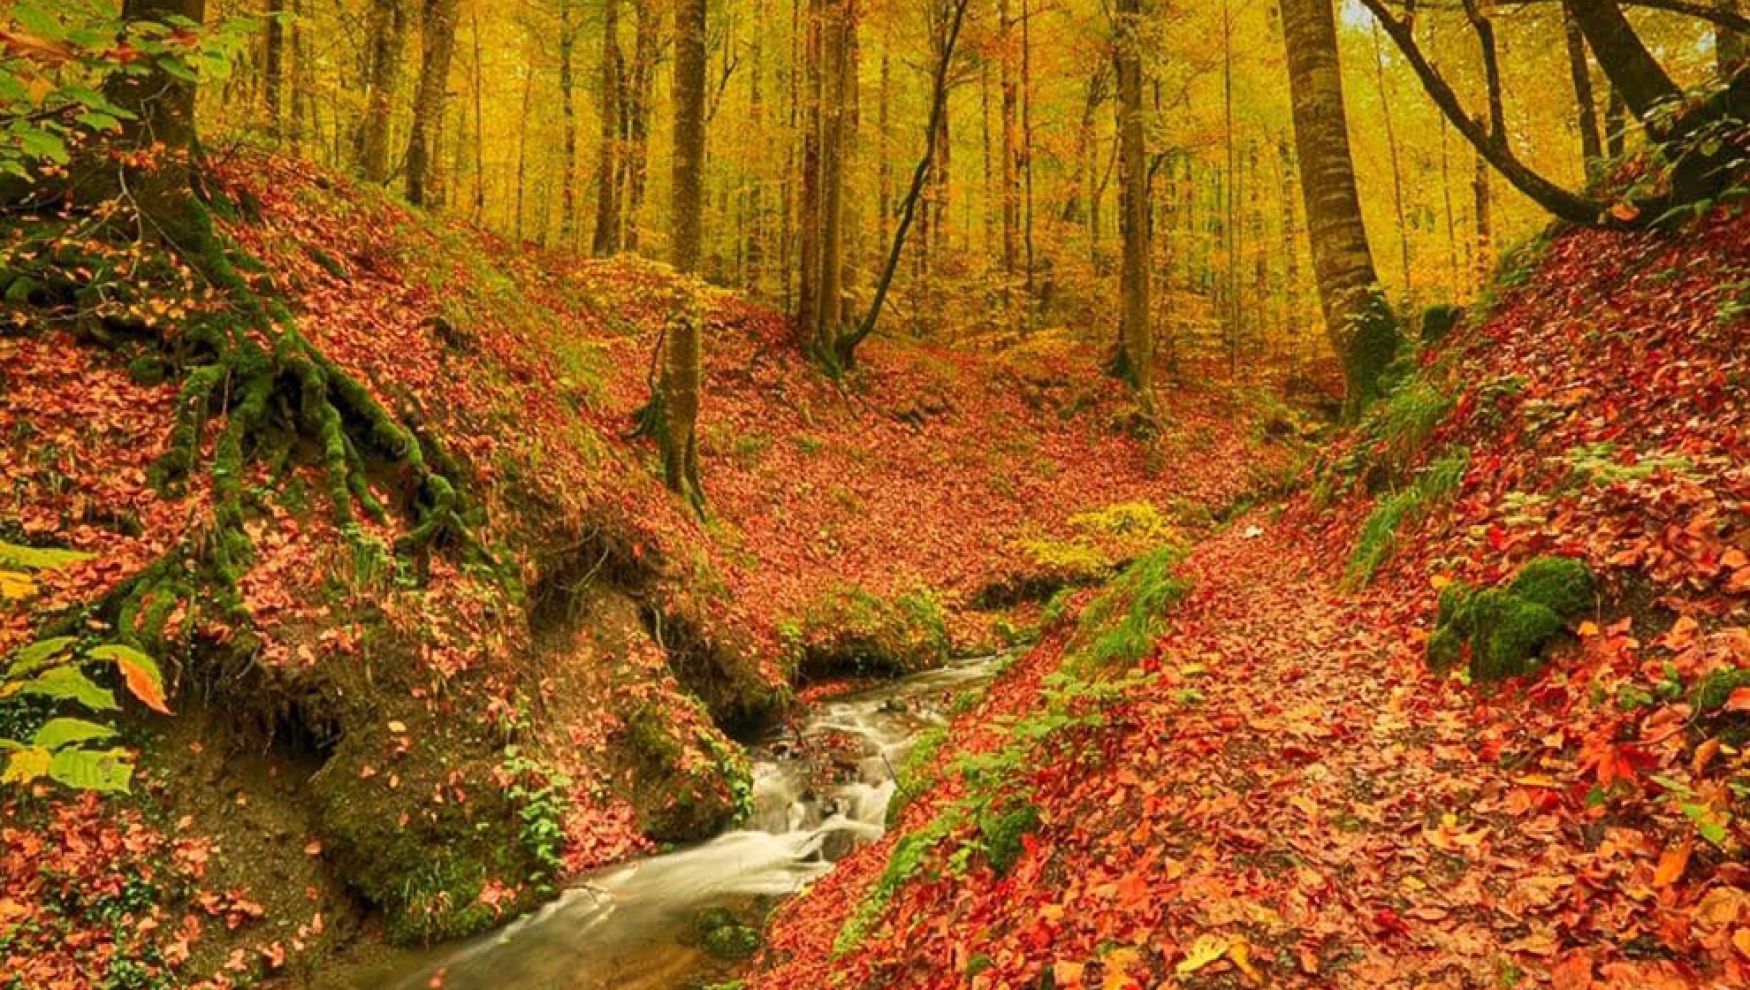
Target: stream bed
{"points": [[821, 787]]}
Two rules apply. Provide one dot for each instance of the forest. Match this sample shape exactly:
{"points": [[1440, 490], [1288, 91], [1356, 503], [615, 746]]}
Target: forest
{"points": [[874, 494]]}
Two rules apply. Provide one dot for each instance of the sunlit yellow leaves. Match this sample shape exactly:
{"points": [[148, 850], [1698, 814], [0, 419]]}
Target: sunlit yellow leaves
{"points": [[1207, 949], [16, 586]]}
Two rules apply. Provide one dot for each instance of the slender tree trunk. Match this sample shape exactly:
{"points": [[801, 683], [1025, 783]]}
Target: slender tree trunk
{"points": [[387, 32], [1484, 257], [813, 195], [1008, 165], [639, 91], [1585, 106], [755, 251], [682, 364], [1615, 124], [1397, 171], [1134, 360], [568, 209], [835, 51], [884, 176], [1027, 155], [1230, 190], [1632, 70], [1452, 269], [606, 240], [479, 211], [1358, 319], [438, 46], [273, 67], [522, 148]]}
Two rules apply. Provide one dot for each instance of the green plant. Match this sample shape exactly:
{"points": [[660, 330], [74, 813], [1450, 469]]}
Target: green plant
{"points": [[1378, 537], [70, 751], [1118, 628], [541, 796]]}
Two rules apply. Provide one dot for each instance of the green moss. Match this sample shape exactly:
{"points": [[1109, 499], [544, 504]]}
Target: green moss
{"points": [[1378, 538], [1716, 688], [1001, 830], [1509, 633], [686, 789], [733, 941], [1445, 649], [1455, 606], [1371, 351], [914, 775], [1564, 585], [852, 630], [1118, 628]]}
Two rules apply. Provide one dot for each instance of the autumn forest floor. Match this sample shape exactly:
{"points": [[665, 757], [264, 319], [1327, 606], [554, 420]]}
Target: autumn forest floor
{"points": [[1220, 759]]}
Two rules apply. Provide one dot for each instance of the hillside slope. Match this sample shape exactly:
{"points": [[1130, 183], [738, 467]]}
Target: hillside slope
{"points": [[1309, 759], [387, 732]]}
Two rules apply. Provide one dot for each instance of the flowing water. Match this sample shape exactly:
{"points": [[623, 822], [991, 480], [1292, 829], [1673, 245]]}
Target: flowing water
{"points": [[820, 789]]}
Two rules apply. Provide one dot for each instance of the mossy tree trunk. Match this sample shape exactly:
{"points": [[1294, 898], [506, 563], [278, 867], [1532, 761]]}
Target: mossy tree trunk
{"points": [[1362, 329], [386, 36], [681, 367], [438, 45], [610, 95]]}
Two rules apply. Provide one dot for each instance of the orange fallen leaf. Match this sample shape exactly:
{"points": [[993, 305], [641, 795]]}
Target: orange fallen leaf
{"points": [[1672, 863]]}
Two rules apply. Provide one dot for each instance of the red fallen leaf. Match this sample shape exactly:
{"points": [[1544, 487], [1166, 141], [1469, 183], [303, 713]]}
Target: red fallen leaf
{"points": [[1573, 972], [1739, 701]]}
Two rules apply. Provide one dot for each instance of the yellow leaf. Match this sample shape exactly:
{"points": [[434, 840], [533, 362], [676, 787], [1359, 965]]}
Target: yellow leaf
{"points": [[1741, 941], [1207, 949], [1241, 954], [27, 765], [16, 586], [1118, 963], [1440, 581]]}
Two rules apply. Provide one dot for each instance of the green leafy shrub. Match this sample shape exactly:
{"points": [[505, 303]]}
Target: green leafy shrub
{"points": [[1000, 830], [1438, 321], [1118, 628]]}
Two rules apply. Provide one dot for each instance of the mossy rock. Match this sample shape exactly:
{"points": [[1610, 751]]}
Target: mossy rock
{"points": [[678, 796], [1002, 832], [1445, 649], [852, 630], [424, 864], [1564, 585], [733, 941], [1455, 608], [1438, 321], [1716, 689], [1508, 634]]}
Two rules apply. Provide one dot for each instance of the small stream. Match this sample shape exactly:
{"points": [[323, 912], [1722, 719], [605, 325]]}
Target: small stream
{"points": [[820, 789]]}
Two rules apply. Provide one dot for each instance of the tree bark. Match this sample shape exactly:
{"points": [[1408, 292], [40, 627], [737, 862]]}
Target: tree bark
{"points": [[568, 213], [438, 44], [273, 68], [836, 58], [813, 195], [1134, 360], [387, 34], [682, 365], [1008, 84], [639, 90], [1585, 105], [1632, 70], [611, 95], [1358, 319]]}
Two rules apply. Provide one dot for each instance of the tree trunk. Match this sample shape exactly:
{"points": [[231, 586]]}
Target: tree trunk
{"points": [[273, 68], [1134, 360], [1483, 261], [1615, 124], [1008, 83], [813, 195], [1586, 107], [1397, 171], [568, 219], [1358, 319], [387, 34], [639, 90], [438, 44], [682, 365], [1632, 70], [161, 110], [835, 51], [612, 93]]}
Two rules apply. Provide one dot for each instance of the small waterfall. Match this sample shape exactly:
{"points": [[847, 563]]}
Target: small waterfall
{"points": [[819, 791]]}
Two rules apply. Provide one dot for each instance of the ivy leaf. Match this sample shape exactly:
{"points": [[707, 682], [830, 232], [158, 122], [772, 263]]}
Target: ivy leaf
{"points": [[145, 681], [106, 770], [62, 732], [70, 684]]}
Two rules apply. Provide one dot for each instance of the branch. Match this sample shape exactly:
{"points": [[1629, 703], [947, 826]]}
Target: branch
{"points": [[1564, 204]]}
